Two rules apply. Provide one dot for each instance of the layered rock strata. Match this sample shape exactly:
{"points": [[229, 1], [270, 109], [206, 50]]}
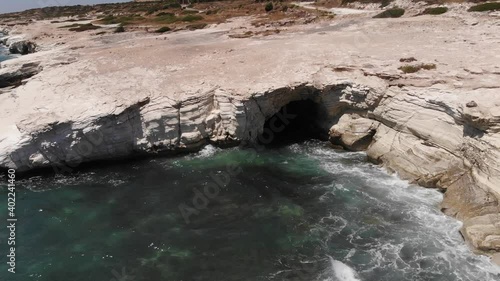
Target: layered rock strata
{"points": [[435, 140]]}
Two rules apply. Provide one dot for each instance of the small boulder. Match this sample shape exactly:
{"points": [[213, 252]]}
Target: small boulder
{"points": [[410, 59], [471, 104], [353, 132], [22, 47]]}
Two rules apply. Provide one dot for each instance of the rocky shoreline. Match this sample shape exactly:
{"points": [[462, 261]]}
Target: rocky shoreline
{"points": [[109, 96], [17, 44]]}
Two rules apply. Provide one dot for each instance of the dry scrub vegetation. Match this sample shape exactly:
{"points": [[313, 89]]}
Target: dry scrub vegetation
{"points": [[435, 11], [485, 7], [164, 16], [417, 67], [170, 15]]}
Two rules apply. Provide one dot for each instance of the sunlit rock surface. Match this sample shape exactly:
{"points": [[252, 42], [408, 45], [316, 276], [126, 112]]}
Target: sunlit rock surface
{"points": [[121, 95]]}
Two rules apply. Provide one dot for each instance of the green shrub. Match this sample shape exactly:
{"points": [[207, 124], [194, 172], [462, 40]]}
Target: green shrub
{"points": [[211, 12], [269, 7], [247, 34], [120, 29], [415, 68], [428, 66], [385, 3], [410, 68], [152, 10], [123, 20], [85, 27], [71, 25], [190, 18], [435, 11], [409, 59], [196, 26], [164, 14], [174, 5], [163, 29], [81, 27], [189, 12], [108, 19], [491, 6], [391, 13], [167, 18]]}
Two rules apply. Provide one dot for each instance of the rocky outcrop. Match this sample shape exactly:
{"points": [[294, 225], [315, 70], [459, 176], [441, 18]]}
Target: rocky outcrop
{"points": [[434, 139], [13, 76], [22, 47], [3, 35], [17, 44], [163, 126]]}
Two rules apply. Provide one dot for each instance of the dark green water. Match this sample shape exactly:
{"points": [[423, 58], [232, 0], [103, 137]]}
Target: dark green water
{"points": [[3, 54], [302, 212]]}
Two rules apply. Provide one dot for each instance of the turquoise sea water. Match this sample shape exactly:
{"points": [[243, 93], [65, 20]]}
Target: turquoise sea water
{"points": [[4, 52], [300, 212]]}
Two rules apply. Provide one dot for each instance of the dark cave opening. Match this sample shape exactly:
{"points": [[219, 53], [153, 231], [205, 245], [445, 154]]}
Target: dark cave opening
{"points": [[295, 122]]}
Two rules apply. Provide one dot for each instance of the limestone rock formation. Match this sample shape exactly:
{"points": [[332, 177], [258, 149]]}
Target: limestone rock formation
{"points": [[431, 139], [15, 75], [482, 232], [353, 132], [155, 125]]}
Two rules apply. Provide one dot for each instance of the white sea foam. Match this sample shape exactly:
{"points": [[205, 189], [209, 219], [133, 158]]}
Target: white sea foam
{"points": [[422, 240], [343, 272], [207, 151]]}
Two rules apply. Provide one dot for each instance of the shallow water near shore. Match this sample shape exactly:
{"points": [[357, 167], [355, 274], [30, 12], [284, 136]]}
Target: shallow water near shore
{"points": [[299, 212], [4, 51]]}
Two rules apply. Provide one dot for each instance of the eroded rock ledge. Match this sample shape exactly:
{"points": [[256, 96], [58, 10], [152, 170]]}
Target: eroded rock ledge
{"points": [[163, 126], [438, 141], [431, 139]]}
